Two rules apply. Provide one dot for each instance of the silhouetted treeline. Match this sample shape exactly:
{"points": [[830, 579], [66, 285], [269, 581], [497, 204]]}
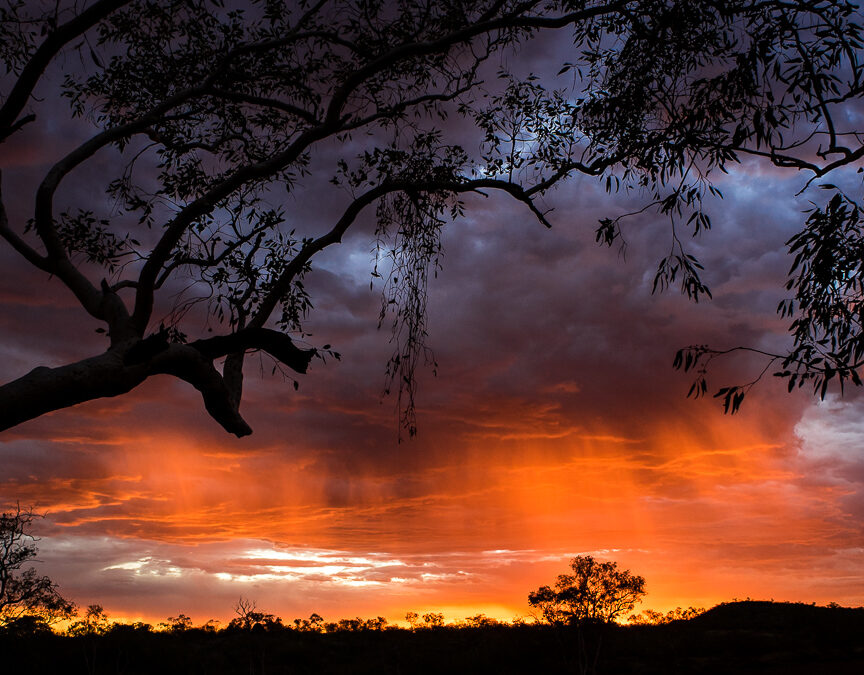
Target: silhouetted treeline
{"points": [[737, 637]]}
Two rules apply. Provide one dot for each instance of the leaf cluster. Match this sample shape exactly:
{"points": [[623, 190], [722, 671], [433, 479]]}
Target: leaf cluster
{"points": [[828, 303]]}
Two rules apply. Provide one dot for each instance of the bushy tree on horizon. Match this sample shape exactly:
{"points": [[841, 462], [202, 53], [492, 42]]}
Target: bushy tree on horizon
{"points": [[594, 592]]}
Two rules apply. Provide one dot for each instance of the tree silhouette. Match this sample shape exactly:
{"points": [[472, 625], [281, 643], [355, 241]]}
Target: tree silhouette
{"points": [[413, 620], [433, 620], [249, 617], [206, 114], [24, 594], [314, 624], [651, 617], [596, 592], [589, 600], [94, 622]]}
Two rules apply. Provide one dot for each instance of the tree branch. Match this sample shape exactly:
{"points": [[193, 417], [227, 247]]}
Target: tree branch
{"points": [[56, 257], [414, 49], [204, 205], [263, 101], [402, 106], [31, 73], [44, 390], [280, 346], [194, 367], [334, 236], [332, 124], [38, 261]]}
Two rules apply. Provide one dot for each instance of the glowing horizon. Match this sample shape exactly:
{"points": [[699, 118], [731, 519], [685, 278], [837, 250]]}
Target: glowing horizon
{"points": [[172, 529]]}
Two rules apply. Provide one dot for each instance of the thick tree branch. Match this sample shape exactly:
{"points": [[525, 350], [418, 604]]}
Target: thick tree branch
{"points": [[194, 367], [232, 373], [118, 371], [44, 390], [277, 344], [792, 162]]}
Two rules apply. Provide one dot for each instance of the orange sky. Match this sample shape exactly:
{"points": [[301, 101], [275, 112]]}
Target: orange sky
{"points": [[151, 523]]}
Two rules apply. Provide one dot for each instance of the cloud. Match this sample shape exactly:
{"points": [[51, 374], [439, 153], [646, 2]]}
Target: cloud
{"points": [[832, 429]]}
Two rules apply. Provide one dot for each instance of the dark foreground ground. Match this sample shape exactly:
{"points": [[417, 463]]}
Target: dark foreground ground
{"points": [[740, 637]]}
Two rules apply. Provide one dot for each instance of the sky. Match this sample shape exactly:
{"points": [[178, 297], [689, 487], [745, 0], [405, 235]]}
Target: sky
{"points": [[555, 427]]}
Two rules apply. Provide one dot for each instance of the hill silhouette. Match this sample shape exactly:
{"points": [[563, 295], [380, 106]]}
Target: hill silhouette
{"points": [[747, 637], [764, 614]]}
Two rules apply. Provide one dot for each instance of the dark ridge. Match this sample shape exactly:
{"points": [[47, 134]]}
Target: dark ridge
{"points": [[765, 614]]}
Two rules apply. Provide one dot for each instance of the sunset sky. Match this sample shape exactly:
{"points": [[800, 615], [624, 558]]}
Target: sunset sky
{"points": [[555, 427]]}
